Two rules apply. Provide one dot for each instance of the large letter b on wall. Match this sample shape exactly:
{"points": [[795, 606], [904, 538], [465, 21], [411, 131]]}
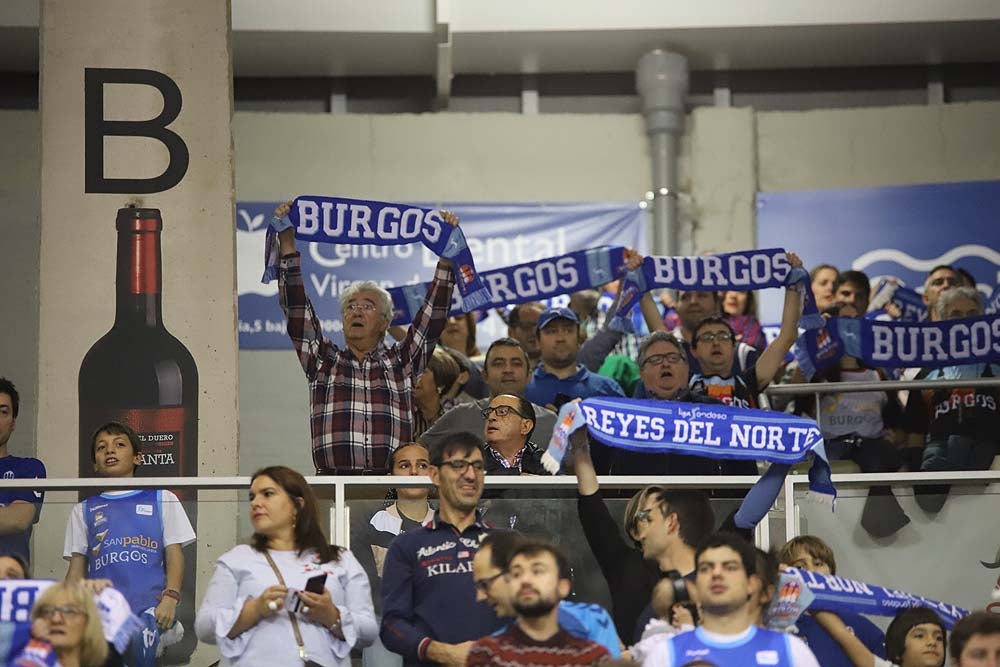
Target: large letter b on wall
{"points": [[97, 128]]}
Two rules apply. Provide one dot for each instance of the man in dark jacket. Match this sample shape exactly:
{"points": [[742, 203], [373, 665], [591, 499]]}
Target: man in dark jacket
{"points": [[429, 609], [508, 450]]}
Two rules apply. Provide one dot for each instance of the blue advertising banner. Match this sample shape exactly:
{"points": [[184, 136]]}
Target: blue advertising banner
{"points": [[901, 231], [499, 235]]}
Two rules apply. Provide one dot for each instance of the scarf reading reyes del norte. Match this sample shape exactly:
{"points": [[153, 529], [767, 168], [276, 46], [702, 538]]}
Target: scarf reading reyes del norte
{"points": [[713, 431], [359, 222], [740, 271], [531, 281], [799, 590], [900, 344]]}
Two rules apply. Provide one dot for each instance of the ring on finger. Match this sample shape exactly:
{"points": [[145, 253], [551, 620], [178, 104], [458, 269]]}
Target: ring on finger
{"points": [[305, 609]]}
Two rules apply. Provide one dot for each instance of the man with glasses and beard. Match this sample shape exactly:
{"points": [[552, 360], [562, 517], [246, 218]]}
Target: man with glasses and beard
{"points": [[429, 609], [539, 578]]}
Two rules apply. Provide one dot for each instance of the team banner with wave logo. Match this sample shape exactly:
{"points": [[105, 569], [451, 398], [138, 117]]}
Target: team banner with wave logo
{"points": [[713, 431], [799, 590], [336, 220], [531, 281], [893, 231], [878, 344], [740, 271]]}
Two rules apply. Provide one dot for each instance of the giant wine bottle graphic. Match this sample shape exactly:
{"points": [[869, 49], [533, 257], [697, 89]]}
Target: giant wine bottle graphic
{"points": [[140, 375]]}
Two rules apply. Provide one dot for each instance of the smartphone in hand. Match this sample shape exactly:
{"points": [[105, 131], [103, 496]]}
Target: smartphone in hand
{"points": [[313, 585]]}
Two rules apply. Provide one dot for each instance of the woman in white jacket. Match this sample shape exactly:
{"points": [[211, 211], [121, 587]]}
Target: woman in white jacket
{"points": [[256, 608]]}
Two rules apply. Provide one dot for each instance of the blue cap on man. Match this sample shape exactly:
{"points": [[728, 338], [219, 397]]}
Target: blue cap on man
{"points": [[556, 314]]}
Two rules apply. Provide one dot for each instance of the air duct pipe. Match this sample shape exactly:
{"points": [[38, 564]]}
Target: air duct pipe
{"points": [[662, 80]]}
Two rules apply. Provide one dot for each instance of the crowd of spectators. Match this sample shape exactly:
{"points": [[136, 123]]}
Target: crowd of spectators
{"points": [[434, 403]]}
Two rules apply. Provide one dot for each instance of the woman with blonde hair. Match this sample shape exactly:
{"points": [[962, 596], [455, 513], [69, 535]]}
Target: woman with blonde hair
{"points": [[65, 615]]}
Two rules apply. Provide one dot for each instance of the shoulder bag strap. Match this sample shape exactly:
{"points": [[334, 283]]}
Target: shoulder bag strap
{"points": [[291, 615]]}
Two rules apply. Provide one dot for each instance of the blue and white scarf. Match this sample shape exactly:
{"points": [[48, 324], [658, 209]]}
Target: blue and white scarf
{"points": [[741, 271], [890, 290], [531, 281], [714, 431], [901, 344], [360, 222], [799, 590], [992, 306]]}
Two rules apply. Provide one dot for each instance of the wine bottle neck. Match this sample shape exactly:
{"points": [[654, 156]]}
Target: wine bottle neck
{"points": [[138, 280]]}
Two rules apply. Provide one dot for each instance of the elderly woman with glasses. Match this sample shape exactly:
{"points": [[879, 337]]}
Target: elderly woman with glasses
{"points": [[66, 616]]}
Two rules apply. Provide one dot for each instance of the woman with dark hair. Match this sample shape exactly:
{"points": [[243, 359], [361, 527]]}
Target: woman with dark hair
{"points": [[740, 310], [430, 388], [460, 334], [257, 607]]}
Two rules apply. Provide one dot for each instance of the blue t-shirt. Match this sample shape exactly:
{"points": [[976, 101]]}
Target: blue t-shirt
{"points": [[827, 650], [16, 467], [758, 647], [544, 386], [591, 622]]}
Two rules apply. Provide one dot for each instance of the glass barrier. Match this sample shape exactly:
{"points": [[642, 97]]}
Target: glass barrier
{"points": [[949, 555]]}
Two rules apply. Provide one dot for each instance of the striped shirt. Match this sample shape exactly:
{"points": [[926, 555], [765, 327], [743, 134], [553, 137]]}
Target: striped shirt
{"points": [[360, 409], [513, 648]]}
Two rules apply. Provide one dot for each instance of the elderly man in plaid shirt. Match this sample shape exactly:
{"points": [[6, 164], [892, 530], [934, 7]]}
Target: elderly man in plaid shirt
{"points": [[361, 395]]}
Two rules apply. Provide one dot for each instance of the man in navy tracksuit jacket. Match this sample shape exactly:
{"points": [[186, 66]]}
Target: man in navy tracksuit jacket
{"points": [[429, 609]]}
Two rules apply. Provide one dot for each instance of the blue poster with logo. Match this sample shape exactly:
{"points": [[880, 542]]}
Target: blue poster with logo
{"points": [[901, 231], [499, 235]]}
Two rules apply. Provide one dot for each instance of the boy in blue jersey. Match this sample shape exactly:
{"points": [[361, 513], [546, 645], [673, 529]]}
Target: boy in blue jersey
{"points": [[727, 585], [808, 552], [19, 509], [134, 539], [489, 567]]}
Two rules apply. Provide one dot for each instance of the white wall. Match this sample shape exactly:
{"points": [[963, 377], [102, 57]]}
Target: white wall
{"points": [[20, 159]]}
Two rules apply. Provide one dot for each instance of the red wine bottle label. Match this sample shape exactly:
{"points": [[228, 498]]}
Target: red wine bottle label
{"points": [[161, 440]]}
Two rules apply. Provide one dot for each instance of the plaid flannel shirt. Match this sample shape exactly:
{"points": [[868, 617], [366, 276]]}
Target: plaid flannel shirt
{"points": [[360, 410]]}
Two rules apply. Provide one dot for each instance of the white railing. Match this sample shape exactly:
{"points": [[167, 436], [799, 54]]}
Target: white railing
{"points": [[787, 507]]}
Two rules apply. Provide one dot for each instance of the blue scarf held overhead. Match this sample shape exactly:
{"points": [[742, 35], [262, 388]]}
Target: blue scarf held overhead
{"points": [[889, 290], [713, 431], [531, 281], [359, 222], [993, 303], [799, 590], [901, 344], [739, 271]]}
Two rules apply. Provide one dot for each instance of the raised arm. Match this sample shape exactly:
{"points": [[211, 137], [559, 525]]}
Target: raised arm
{"points": [[857, 652], [429, 322], [303, 325], [771, 358]]}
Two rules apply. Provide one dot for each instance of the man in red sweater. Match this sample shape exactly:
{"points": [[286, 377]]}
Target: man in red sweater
{"points": [[539, 579]]}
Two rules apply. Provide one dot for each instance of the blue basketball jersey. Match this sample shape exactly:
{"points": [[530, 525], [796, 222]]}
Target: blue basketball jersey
{"points": [[125, 544], [759, 647]]}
